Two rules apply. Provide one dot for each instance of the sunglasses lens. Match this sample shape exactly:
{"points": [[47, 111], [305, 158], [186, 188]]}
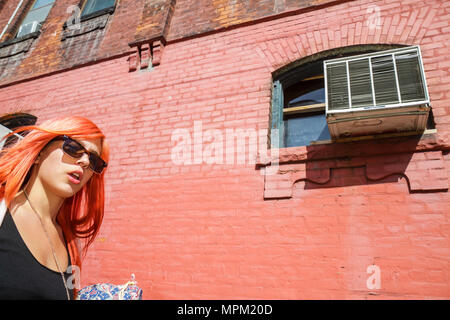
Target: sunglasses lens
{"points": [[73, 148], [96, 163]]}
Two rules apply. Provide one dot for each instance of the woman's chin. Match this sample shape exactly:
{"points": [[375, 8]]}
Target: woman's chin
{"points": [[67, 191]]}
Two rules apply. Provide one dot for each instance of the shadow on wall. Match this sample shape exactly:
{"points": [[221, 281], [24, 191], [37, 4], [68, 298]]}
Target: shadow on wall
{"points": [[373, 162], [417, 159]]}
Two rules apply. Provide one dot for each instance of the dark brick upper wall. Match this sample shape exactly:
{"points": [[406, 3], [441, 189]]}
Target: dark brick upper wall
{"points": [[155, 19], [196, 17], [133, 21]]}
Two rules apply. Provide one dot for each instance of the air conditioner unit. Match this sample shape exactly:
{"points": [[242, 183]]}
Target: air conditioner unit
{"points": [[381, 92], [28, 28]]}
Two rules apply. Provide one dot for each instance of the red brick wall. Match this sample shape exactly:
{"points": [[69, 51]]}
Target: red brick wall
{"points": [[206, 231]]}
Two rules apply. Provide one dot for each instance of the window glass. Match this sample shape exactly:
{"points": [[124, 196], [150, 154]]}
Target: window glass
{"points": [[302, 130], [41, 3], [304, 112], [305, 93], [38, 13], [313, 97], [96, 5]]}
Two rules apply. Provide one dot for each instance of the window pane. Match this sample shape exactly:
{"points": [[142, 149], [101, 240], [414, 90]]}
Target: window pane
{"points": [[312, 97], [300, 131], [410, 77], [360, 83], [38, 15], [96, 5], [384, 80], [41, 3], [337, 86]]}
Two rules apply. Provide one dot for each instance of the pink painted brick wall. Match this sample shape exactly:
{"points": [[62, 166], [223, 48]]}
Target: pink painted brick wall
{"points": [[205, 231]]}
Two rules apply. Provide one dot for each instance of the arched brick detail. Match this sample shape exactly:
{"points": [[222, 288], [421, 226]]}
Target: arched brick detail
{"points": [[337, 26]]}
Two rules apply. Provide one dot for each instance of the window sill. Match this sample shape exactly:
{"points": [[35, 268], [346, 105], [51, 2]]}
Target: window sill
{"points": [[17, 45], [32, 35]]}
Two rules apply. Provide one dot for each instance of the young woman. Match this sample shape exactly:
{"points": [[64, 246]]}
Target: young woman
{"points": [[52, 191]]}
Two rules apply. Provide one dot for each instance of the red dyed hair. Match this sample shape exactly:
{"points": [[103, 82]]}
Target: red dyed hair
{"points": [[81, 215]]}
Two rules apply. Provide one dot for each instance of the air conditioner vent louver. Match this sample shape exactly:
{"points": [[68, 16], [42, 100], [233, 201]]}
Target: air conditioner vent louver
{"points": [[384, 83]]}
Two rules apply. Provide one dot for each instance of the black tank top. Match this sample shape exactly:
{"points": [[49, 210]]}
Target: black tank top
{"points": [[22, 277]]}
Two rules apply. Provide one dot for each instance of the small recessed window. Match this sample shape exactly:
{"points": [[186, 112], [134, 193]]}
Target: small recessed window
{"points": [[35, 17], [299, 105], [91, 6]]}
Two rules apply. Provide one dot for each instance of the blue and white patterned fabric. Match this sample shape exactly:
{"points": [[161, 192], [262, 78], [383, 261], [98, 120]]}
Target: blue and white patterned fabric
{"points": [[108, 291]]}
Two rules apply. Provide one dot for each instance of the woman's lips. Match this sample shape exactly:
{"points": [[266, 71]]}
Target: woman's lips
{"points": [[73, 179]]}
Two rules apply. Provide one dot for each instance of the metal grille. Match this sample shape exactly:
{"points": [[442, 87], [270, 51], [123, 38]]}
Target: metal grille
{"points": [[389, 78]]}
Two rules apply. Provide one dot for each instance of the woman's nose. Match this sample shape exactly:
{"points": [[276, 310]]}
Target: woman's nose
{"points": [[84, 160]]}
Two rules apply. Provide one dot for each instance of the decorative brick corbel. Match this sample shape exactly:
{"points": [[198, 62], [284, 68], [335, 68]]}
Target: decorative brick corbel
{"points": [[152, 30], [133, 59], [146, 53], [158, 47]]}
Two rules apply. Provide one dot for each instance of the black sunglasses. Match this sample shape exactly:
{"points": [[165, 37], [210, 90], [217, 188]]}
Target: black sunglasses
{"points": [[76, 150]]}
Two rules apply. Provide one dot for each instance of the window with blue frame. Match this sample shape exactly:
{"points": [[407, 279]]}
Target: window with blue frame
{"points": [[35, 17], [91, 6], [299, 106]]}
